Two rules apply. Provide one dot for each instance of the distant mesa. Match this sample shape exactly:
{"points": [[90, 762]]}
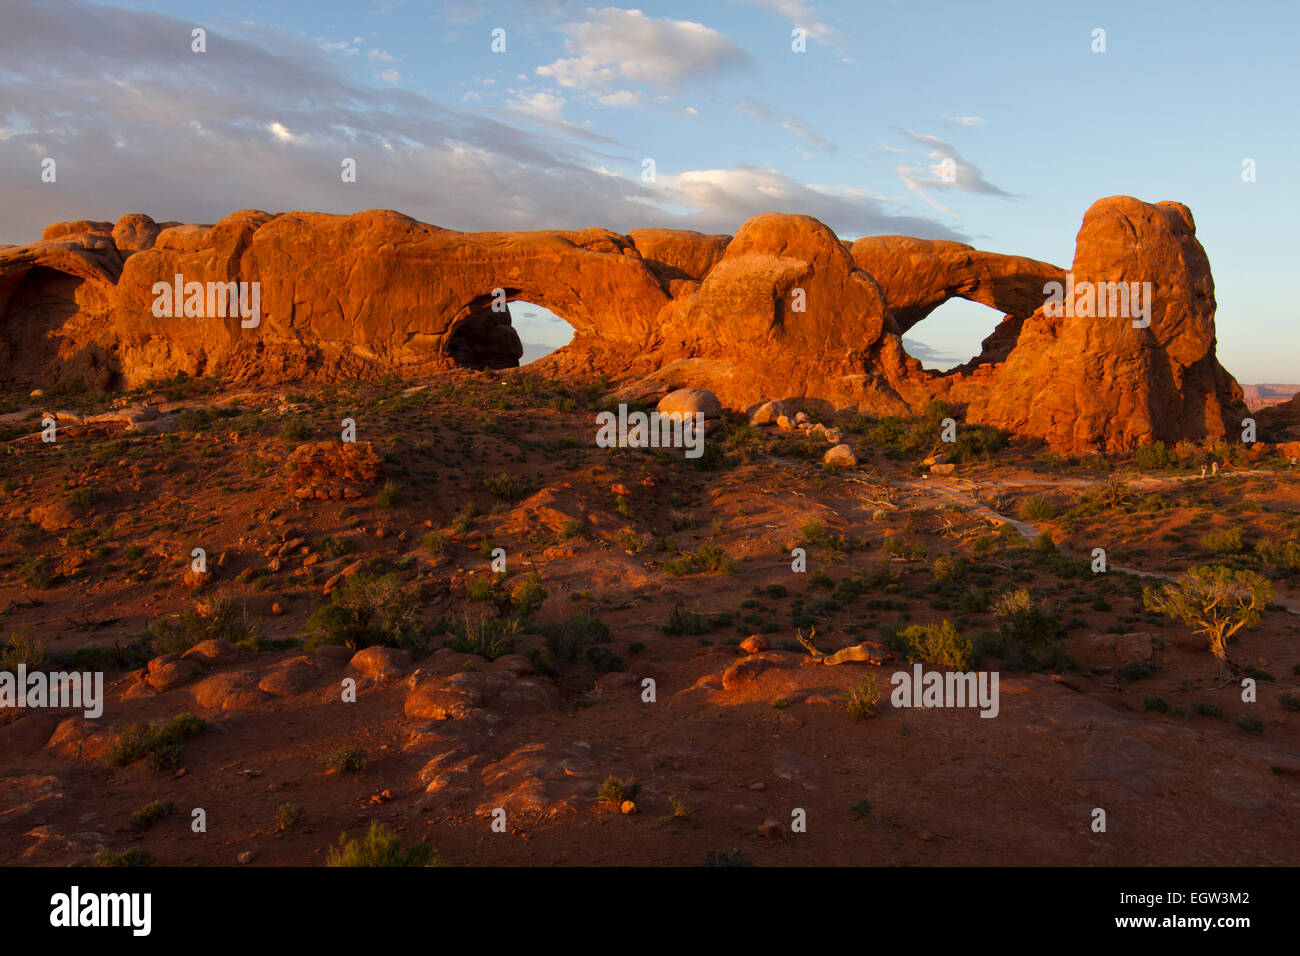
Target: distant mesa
{"points": [[784, 308]]}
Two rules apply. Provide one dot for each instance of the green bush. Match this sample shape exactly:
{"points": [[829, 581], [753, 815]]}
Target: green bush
{"points": [[1227, 541], [614, 792], [343, 760], [488, 637], [381, 847], [151, 813], [861, 700], [389, 495], [367, 609], [134, 856], [159, 745], [506, 486], [21, 649], [223, 620], [571, 637], [1250, 724], [1036, 508], [937, 644]]}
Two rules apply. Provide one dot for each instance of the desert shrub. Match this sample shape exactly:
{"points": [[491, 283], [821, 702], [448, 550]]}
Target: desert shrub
{"points": [[389, 495], [23, 649], [435, 542], [528, 595], [614, 792], [151, 813], [343, 760], [1250, 723], [381, 847], [708, 557], [488, 637], [938, 644], [35, 573], [481, 589], [1289, 702], [507, 486], [133, 856], [333, 547], [682, 621], [949, 568], [1155, 457], [570, 637], [295, 429], [862, 698], [603, 661], [367, 609], [1207, 710], [1136, 670], [1036, 508], [286, 815], [1227, 541], [1155, 703], [1044, 544], [159, 745], [223, 619], [1282, 556], [973, 601], [1024, 621]]}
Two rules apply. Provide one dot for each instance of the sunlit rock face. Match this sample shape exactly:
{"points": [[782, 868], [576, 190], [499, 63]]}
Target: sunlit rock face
{"points": [[783, 309]]}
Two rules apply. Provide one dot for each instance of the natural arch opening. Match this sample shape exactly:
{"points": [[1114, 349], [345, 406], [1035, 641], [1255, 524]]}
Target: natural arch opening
{"points": [[525, 332], [540, 330], [958, 334]]}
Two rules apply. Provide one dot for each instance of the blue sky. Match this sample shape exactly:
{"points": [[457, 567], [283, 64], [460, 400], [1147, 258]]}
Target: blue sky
{"points": [[554, 131]]}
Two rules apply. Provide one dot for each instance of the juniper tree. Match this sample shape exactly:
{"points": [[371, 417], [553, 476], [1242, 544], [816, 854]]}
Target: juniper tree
{"points": [[1215, 601]]}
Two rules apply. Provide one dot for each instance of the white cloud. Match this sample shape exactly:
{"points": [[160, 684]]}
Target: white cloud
{"points": [[382, 55], [282, 135], [616, 45], [794, 124], [543, 105], [801, 14], [389, 76], [721, 199], [620, 98], [965, 120], [950, 172]]}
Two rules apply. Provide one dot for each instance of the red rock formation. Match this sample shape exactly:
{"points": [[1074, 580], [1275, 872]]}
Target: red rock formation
{"points": [[1088, 381], [784, 309]]}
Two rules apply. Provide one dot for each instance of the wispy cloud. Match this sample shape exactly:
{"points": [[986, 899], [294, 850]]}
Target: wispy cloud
{"points": [[950, 172], [794, 124]]}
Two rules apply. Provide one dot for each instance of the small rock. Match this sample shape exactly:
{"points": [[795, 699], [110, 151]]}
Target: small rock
{"points": [[246, 856], [758, 786], [771, 829], [754, 644], [628, 808], [947, 469]]}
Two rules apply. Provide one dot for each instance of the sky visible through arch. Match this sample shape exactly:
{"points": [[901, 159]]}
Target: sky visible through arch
{"points": [[555, 131]]}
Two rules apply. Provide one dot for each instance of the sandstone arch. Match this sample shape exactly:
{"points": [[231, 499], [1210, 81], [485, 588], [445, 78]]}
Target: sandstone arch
{"points": [[782, 309]]}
